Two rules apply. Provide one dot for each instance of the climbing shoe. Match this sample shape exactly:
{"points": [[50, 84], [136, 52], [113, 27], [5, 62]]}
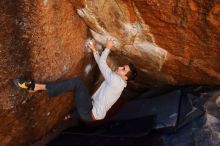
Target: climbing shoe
{"points": [[24, 84]]}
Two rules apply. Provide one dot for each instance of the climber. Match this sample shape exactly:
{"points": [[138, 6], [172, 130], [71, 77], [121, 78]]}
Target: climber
{"points": [[95, 107]]}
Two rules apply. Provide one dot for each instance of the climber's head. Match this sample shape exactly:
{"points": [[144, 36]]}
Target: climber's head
{"points": [[127, 72]]}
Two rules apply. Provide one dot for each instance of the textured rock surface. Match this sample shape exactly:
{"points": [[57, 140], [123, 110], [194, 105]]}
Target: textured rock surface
{"points": [[171, 42], [42, 40]]}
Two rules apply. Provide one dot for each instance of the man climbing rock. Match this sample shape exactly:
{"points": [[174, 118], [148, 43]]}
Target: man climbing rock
{"points": [[95, 107]]}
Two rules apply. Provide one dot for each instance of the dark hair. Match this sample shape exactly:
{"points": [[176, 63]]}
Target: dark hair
{"points": [[132, 73]]}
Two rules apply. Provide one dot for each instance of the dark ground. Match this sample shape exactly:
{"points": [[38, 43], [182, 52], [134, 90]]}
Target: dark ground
{"points": [[202, 131]]}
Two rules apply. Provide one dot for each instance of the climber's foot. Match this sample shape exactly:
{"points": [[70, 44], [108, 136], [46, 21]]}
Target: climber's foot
{"points": [[24, 84]]}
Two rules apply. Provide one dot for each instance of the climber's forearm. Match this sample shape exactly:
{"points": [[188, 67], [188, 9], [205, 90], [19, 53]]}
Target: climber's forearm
{"points": [[96, 56]]}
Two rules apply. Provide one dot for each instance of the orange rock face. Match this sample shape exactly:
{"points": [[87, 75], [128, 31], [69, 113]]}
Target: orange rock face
{"points": [[41, 40], [189, 31], [172, 42]]}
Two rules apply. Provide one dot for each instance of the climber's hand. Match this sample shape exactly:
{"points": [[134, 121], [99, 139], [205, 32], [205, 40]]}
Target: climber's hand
{"points": [[109, 43], [91, 46]]}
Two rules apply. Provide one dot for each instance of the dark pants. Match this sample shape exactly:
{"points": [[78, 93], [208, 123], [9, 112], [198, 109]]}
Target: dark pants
{"points": [[82, 97]]}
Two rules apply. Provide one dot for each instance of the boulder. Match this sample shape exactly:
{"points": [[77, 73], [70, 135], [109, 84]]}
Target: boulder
{"points": [[172, 42], [42, 41]]}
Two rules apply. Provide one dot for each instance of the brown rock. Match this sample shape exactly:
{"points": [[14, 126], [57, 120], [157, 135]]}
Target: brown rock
{"points": [[193, 43], [175, 41], [170, 42], [41, 40]]}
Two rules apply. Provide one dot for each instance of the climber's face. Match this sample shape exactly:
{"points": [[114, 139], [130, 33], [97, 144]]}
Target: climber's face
{"points": [[122, 71]]}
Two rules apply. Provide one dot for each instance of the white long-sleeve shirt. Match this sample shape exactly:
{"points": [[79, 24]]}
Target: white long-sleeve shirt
{"points": [[109, 91]]}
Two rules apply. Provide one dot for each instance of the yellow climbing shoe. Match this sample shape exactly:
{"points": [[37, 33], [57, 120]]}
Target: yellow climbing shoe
{"points": [[24, 84]]}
